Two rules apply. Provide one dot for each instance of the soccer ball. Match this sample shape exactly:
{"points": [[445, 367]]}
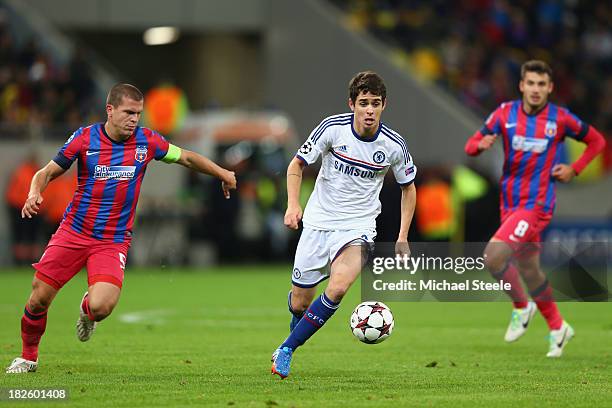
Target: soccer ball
{"points": [[372, 322]]}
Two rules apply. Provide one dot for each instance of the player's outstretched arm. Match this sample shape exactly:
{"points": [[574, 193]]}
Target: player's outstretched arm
{"points": [[478, 143], [39, 183], [408, 205], [293, 215], [197, 162], [595, 144]]}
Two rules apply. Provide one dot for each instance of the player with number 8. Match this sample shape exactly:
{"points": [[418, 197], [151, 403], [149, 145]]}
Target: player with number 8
{"points": [[531, 131]]}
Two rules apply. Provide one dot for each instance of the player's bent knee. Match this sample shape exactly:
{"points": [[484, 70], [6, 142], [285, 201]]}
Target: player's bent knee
{"points": [[38, 304], [41, 297], [495, 261], [336, 293], [301, 298], [495, 264], [39, 301], [300, 305], [530, 273], [100, 311]]}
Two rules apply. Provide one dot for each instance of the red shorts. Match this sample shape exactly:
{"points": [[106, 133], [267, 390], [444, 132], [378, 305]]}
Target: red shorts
{"points": [[521, 230], [68, 252]]}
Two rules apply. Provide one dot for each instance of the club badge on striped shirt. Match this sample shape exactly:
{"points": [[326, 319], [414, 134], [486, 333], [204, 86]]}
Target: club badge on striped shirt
{"points": [[551, 128], [141, 154]]}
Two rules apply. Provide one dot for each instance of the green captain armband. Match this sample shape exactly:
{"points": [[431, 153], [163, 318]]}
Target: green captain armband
{"points": [[173, 155]]}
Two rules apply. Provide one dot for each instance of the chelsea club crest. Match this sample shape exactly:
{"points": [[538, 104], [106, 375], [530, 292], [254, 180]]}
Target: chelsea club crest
{"points": [[379, 157], [141, 154]]}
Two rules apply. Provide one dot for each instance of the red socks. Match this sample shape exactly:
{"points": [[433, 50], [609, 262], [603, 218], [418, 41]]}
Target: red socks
{"points": [[85, 308], [511, 275], [32, 328], [543, 298]]}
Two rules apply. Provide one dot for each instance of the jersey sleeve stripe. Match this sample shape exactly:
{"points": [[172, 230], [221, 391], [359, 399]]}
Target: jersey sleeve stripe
{"points": [[396, 136], [302, 159], [402, 145], [317, 135], [328, 120], [394, 133], [484, 130], [62, 161], [584, 129]]}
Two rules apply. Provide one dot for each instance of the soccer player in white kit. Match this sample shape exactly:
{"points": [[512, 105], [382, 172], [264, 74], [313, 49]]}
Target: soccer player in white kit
{"points": [[356, 150]]}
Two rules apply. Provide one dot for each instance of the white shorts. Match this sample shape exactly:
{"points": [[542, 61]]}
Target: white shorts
{"points": [[317, 250]]}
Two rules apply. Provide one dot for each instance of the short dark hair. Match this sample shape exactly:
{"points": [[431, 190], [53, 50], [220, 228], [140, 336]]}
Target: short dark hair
{"points": [[367, 81], [538, 66], [118, 91]]}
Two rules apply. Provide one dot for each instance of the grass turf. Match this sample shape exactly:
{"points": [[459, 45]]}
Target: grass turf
{"points": [[182, 337]]}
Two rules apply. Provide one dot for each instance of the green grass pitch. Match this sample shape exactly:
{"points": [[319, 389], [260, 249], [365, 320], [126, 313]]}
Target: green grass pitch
{"points": [[185, 337]]}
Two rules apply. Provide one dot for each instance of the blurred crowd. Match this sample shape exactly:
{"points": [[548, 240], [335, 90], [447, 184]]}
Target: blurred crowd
{"points": [[35, 88], [28, 236], [474, 48]]}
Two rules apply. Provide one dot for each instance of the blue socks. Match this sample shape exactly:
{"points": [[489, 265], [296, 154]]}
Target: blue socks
{"points": [[295, 316], [321, 309]]}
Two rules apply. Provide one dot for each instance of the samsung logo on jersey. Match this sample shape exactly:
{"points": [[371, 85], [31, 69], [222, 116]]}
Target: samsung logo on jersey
{"points": [[353, 171], [529, 144], [114, 172]]}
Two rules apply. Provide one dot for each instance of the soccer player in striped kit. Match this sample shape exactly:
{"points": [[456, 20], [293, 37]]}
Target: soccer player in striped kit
{"points": [[531, 131], [97, 227], [356, 151]]}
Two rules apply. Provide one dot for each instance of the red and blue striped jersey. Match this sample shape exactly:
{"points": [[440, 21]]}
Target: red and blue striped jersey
{"points": [[110, 175], [531, 148]]}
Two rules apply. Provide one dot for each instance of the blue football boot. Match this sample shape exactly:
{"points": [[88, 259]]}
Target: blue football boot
{"points": [[281, 362]]}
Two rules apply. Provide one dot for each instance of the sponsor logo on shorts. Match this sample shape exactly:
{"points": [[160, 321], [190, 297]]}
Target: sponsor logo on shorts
{"points": [[122, 259], [296, 273]]}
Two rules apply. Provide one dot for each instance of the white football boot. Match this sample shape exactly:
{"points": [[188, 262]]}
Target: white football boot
{"points": [[21, 365], [84, 326], [557, 339], [519, 321]]}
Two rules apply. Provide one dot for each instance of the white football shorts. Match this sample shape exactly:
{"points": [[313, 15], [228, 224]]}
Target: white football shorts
{"points": [[317, 250]]}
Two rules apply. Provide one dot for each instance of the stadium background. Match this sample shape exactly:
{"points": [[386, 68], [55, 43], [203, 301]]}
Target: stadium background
{"points": [[246, 88], [244, 83]]}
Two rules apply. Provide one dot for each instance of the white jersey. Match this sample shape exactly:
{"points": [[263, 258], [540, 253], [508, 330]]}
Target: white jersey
{"points": [[353, 168]]}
